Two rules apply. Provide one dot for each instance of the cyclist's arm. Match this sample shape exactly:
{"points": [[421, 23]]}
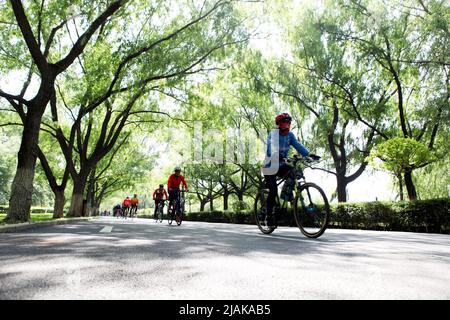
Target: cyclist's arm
{"points": [[298, 146], [184, 183], [165, 195]]}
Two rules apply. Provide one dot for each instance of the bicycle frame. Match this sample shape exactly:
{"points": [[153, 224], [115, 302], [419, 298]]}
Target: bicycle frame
{"points": [[178, 204], [295, 173]]}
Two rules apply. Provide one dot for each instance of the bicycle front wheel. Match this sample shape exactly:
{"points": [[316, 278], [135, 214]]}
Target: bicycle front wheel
{"points": [[180, 213], [311, 210], [179, 218], [170, 215]]}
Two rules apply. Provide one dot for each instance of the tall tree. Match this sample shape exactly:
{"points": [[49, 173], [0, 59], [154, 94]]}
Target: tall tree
{"points": [[393, 34], [38, 35]]}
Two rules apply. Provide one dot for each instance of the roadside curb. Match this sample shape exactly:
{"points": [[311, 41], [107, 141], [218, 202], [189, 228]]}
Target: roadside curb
{"points": [[33, 225]]}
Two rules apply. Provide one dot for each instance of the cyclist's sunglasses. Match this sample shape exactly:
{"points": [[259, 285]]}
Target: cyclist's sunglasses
{"points": [[286, 120]]}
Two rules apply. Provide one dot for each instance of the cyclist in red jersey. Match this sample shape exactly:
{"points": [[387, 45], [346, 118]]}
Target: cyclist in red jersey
{"points": [[159, 196], [173, 185], [127, 202]]}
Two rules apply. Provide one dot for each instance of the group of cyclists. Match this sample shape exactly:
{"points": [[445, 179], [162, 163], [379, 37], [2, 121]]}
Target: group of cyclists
{"points": [[129, 207], [279, 167]]}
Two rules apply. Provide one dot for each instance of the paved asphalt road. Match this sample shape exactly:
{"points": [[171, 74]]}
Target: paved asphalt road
{"points": [[116, 259]]}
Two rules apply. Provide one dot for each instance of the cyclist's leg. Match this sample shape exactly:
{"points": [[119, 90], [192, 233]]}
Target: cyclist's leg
{"points": [[172, 199], [178, 202], [271, 182], [283, 172]]}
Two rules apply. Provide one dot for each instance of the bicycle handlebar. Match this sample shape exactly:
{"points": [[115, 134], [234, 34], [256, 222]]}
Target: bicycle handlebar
{"points": [[308, 159]]}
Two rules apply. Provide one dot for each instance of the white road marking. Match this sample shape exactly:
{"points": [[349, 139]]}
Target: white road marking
{"points": [[106, 229]]}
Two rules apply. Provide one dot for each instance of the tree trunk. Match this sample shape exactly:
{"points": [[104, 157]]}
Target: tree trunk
{"points": [[400, 184], [341, 188], [60, 201], [22, 186], [411, 189], [226, 195], [211, 205], [202, 205], [94, 210], [76, 204]]}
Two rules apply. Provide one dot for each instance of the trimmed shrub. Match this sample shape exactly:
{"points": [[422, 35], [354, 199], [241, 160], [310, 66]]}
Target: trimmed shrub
{"points": [[417, 216], [38, 210]]}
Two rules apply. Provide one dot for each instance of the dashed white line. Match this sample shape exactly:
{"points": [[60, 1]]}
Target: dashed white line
{"points": [[106, 229]]}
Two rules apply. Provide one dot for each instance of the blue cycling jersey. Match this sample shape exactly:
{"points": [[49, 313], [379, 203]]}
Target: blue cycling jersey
{"points": [[285, 143]]}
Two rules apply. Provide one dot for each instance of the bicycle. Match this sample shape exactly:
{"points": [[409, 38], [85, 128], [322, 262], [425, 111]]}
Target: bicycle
{"points": [[125, 211], [176, 209], [133, 211], [159, 211], [118, 213], [310, 204]]}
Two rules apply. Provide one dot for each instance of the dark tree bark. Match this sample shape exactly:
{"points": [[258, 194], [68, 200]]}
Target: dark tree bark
{"points": [[410, 187], [202, 205], [22, 186], [226, 196], [211, 204], [341, 188], [60, 201], [400, 185], [79, 187]]}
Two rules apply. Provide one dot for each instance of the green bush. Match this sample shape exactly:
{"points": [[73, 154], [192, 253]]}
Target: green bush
{"points": [[240, 206], [38, 210], [416, 216]]}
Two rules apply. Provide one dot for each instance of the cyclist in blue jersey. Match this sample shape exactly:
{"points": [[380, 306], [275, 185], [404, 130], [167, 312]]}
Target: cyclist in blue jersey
{"points": [[276, 159]]}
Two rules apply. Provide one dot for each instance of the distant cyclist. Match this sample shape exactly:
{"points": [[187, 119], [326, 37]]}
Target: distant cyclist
{"points": [[117, 210], [286, 140], [134, 204], [126, 204], [173, 185], [159, 196]]}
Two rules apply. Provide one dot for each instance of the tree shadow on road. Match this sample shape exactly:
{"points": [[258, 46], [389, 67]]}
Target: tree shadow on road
{"points": [[132, 246]]}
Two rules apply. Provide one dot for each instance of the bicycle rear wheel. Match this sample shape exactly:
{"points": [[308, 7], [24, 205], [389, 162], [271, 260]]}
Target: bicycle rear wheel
{"points": [[311, 210], [160, 214], [260, 212]]}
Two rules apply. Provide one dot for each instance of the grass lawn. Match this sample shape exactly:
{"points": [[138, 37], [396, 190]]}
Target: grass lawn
{"points": [[34, 217]]}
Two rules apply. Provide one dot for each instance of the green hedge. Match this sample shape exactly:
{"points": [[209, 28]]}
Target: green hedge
{"points": [[416, 216], [4, 209]]}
